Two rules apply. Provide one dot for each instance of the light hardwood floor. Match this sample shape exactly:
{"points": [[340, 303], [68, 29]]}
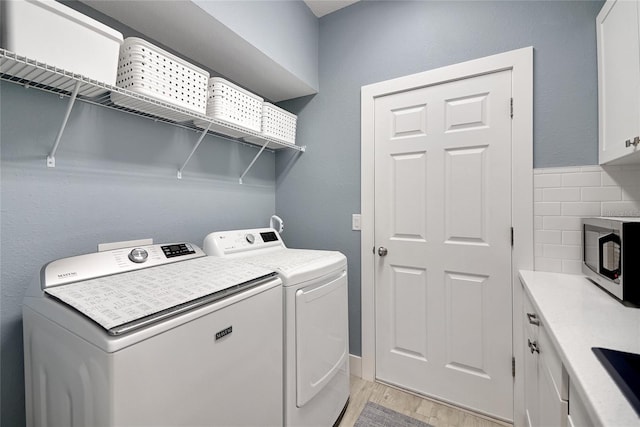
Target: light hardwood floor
{"points": [[428, 411]]}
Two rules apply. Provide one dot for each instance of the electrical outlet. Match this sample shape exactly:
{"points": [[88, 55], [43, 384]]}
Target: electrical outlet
{"points": [[355, 222]]}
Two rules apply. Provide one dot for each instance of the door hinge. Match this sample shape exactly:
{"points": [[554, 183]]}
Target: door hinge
{"points": [[511, 108], [511, 236], [513, 366]]}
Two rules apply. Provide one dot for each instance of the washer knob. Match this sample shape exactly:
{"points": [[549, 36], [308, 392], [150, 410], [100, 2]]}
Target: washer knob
{"points": [[138, 255], [250, 238]]}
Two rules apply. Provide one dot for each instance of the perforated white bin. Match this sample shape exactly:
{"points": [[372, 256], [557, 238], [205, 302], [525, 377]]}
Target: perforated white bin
{"points": [[52, 33], [234, 105], [278, 123], [148, 70]]}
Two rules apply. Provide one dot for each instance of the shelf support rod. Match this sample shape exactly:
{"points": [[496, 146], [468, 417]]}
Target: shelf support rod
{"points": [[51, 158], [253, 161], [195, 147]]}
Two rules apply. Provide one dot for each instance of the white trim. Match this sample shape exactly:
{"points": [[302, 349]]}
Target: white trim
{"points": [[520, 61], [355, 365]]}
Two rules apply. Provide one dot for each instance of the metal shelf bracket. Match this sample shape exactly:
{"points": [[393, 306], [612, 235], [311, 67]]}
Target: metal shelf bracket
{"points": [[253, 161], [195, 147], [33, 74], [51, 158]]}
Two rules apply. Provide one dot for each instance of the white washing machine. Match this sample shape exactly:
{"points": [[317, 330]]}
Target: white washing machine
{"points": [[153, 335], [316, 338]]}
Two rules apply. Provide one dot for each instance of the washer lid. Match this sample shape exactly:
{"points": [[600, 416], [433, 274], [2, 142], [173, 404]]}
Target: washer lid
{"points": [[123, 302]]}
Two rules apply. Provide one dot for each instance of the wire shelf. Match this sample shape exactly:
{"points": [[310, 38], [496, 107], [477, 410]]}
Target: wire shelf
{"points": [[33, 74]]}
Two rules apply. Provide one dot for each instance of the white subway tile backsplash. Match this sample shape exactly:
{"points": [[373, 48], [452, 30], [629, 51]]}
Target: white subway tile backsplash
{"points": [[631, 193], [548, 236], [547, 180], [537, 222], [615, 176], [563, 196], [561, 252], [548, 264], [593, 168], [571, 266], [625, 208], [567, 169], [581, 179], [571, 237], [560, 223], [601, 194], [581, 208], [547, 208], [537, 194]]}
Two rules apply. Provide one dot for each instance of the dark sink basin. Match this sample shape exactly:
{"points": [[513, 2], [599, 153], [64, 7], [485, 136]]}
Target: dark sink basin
{"points": [[624, 368]]}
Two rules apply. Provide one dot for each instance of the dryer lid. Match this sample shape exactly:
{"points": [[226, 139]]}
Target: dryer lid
{"points": [[298, 265]]}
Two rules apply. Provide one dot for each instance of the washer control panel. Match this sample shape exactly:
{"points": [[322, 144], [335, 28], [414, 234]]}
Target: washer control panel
{"points": [[138, 255], [106, 263], [223, 243], [179, 249]]}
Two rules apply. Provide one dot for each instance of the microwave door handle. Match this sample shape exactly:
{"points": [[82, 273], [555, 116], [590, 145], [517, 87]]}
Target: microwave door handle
{"points": [[610, 273]]}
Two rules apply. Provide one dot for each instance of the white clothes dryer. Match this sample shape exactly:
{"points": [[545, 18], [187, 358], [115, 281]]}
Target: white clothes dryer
{"points": [[316, 338], [154, 335]]}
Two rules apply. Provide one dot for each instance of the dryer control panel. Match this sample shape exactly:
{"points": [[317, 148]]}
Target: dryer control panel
{"points": [[106, 263], [225, 243]]}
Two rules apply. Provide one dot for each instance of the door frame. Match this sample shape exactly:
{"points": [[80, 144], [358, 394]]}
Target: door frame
{"points": [[520, 62]]}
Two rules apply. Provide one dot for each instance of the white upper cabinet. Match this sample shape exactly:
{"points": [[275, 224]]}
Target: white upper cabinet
{"points": [[618, 31]]}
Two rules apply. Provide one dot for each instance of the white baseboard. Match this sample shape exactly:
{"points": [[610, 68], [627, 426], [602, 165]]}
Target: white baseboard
{"points": [[355, 365]]}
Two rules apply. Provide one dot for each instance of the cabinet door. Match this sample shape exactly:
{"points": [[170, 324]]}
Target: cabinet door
{"points": [[578, 416], [618, 78], [552, 410]]}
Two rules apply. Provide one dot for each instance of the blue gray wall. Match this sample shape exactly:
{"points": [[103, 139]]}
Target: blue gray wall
{"points": [[285, 31], [372, 41], [115, 179]]}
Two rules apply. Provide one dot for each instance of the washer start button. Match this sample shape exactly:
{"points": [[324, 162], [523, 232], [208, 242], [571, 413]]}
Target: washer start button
{"points": [[138, 255]]}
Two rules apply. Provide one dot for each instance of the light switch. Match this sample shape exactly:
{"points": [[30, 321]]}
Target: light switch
{"points": [[355, 222]]}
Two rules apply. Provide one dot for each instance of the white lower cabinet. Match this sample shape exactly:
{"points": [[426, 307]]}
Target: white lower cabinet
{"points": [[545, 380]]}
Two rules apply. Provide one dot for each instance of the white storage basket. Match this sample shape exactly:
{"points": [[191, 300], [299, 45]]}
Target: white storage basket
{"points": [[54, 34], [148, 70], [232, 104], [278, 123]]}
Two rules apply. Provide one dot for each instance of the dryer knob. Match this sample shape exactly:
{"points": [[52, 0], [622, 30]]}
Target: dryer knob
{"points": [[138, 255], [250, 238]]}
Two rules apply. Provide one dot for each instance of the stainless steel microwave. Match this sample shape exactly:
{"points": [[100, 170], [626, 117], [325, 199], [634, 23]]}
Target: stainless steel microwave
{"points": [[611, 256]]}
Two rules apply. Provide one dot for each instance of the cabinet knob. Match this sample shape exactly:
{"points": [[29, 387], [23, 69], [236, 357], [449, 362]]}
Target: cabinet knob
{"points": [[533, 319]]}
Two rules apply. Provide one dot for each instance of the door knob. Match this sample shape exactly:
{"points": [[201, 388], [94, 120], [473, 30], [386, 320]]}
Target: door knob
{"points": [[382, 251]]}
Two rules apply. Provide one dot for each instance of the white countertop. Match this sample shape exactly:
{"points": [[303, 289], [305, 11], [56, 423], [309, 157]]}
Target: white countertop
{"points": [[579, 315]]}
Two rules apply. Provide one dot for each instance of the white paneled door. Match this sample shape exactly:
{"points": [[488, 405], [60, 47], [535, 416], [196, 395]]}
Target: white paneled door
{"points": [[443, 218]]}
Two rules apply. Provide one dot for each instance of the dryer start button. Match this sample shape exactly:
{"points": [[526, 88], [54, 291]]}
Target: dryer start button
{"points": [[250, 238]]}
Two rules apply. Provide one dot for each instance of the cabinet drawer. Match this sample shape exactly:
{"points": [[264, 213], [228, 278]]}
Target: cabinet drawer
{"points": [[550, 360]]}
